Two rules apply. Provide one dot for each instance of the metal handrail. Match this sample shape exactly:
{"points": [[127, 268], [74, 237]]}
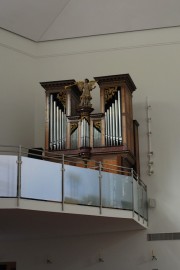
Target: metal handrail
{"points": [[72, 159]]}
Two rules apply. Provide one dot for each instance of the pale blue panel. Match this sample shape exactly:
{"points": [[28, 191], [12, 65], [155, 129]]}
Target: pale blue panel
{"points": [[141, 203], [136, 195], [81, 186], [145, 204], [41, 180], [116, 191], [8, 176]]}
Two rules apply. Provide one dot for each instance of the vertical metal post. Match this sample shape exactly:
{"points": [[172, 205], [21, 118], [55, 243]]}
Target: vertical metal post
{"points": [[100, 188], [19, 163], [62, 170], [132, 176]]}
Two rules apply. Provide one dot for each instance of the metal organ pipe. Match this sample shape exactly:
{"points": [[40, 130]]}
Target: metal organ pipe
{"points": [[85, 129], [113, 124], [116, 120], [57, 130], [82, 132], [64, 130], [87, 133], [51, 122], [106, 128], [57, 126], [84, 144], [113, 132], [108, 122], [110, 125], [119, 117], [60, 128]]}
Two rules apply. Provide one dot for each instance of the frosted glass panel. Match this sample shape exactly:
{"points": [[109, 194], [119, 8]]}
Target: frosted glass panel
{"points": [[141, 202], [140, 199], [81, 186], [145, 204], [136, 196], [8, 176], [116, 191], [41, 180]]}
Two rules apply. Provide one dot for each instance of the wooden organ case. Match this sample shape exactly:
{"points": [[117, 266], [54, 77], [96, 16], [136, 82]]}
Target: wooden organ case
{"points": [[110, 136]]}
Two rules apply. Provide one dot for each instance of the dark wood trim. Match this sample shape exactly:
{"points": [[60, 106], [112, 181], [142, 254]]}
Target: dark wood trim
{"points": [[116, 80]]}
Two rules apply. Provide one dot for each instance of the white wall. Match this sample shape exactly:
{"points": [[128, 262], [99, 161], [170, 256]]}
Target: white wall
{"points": [[152, 60], [17, 87], [78, 252]]}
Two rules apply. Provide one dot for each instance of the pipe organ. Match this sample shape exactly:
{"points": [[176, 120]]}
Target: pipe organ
{"points": [[71, 127]]}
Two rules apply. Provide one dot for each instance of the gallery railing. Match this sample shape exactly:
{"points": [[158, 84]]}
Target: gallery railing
{"points": [[39, 175]]}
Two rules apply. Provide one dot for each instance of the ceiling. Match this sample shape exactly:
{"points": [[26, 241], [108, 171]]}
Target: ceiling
{"points": [[27, 224], [42, 20]]}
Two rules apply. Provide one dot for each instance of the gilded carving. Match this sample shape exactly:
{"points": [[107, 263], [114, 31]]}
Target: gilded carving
{"points": [[86, 117], [109, 93], [62, 97], [85, 87], [97, 125], [74, 126]]}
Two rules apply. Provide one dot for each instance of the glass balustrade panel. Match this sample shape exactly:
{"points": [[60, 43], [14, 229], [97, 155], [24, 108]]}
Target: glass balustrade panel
{"points": [[136, 196], [81, 186], [8, 176], [41, 180], [116, 191], [145, 204]]}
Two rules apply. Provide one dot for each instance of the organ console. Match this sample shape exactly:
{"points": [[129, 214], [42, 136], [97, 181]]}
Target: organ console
{"points": [[110, 136]]}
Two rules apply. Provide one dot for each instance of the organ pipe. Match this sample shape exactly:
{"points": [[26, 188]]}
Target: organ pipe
{"points": [[108, 121], [116, 121], [119, 116], [110, 125], [85, 130], [57, 130], [60, 129], [113, 133], [64, 130], [113, 124], [106, 128], [57, 125], [51, 122]]}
